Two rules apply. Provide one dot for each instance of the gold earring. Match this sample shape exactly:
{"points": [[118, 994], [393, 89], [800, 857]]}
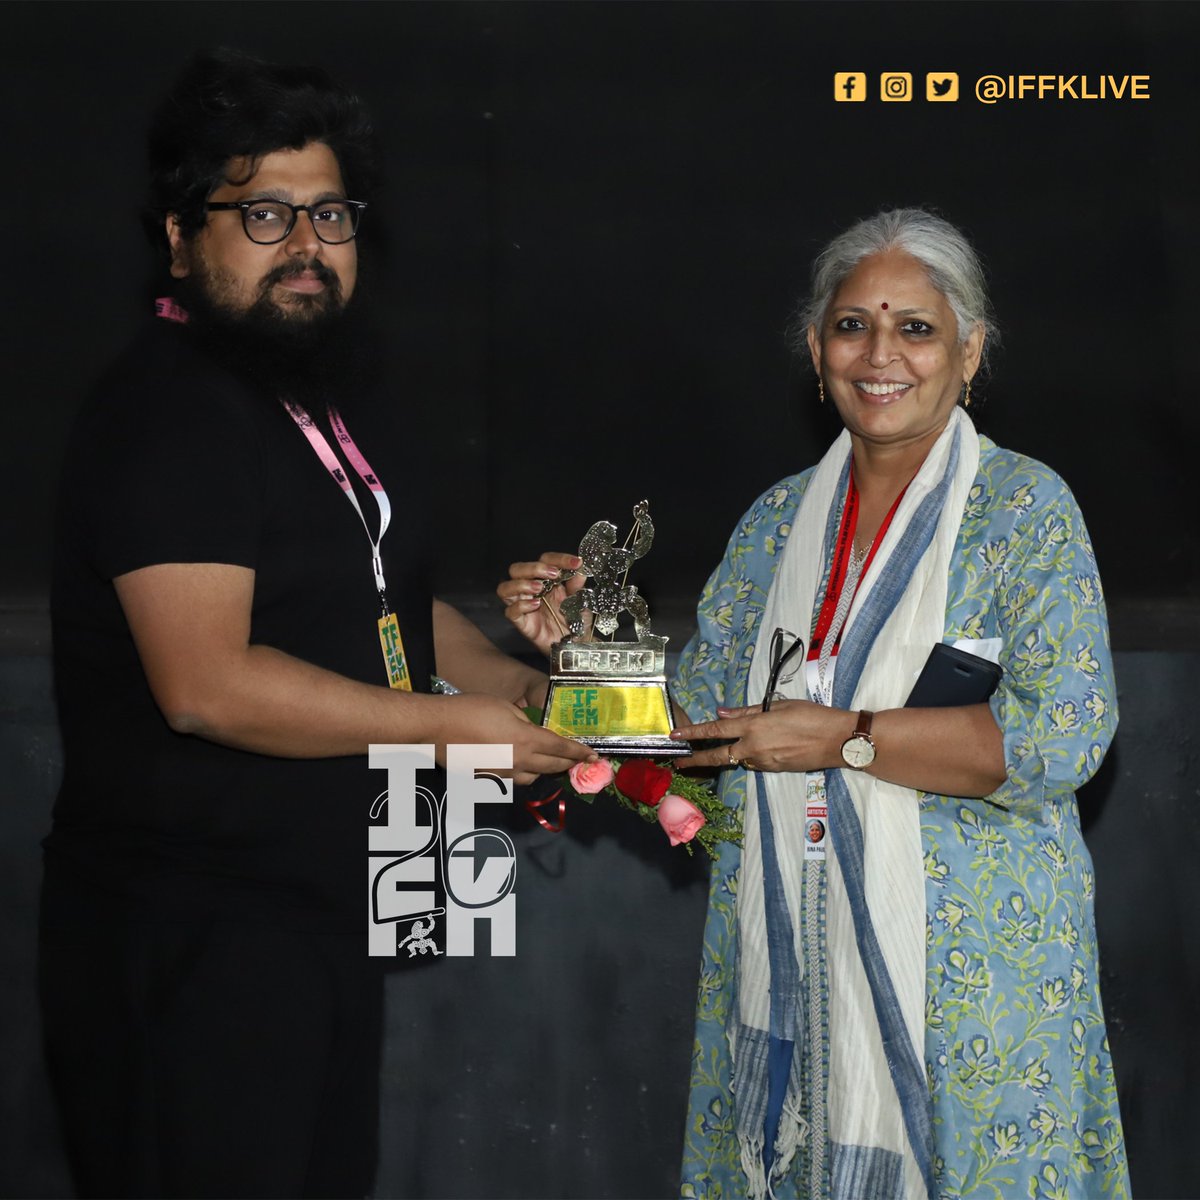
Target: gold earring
{"points": [[821, 389], [967, 397]]}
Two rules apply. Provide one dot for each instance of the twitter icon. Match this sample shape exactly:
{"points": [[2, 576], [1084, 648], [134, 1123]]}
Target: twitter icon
{"points": [[941, 85]]}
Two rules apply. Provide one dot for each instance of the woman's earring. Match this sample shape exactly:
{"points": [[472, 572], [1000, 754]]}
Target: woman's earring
{"points": [[821, 389], [967, 396]]}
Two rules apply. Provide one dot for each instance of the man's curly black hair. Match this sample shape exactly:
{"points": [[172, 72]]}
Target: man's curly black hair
{"points": [[227, 104]]}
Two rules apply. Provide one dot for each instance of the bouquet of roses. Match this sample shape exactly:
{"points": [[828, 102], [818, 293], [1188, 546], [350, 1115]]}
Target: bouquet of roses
{"points": [[685, 807]]}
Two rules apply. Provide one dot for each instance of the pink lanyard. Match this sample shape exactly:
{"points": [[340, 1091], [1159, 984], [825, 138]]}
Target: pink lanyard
{"points": [[316, 439], [170, 310]]}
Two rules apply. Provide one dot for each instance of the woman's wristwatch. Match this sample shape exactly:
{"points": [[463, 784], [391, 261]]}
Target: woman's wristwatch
{"points": [[858, 750]]}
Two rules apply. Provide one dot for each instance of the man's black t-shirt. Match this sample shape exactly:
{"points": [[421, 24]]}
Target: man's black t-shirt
{"points": [[174, 460]]}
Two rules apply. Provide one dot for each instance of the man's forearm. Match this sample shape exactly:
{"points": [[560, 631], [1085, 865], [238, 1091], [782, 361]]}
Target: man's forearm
{"points": [[272, 703], [191, 625]]}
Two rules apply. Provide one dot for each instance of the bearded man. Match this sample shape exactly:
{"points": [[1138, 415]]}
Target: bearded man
{"points": [[242, 605]]}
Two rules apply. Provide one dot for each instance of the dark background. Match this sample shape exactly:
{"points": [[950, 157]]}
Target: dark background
{"points": [[599, 217], [597, 222]]}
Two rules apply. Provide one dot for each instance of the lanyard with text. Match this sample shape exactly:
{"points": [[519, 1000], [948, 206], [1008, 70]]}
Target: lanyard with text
{"points": [[389, 628], [845, 576]]}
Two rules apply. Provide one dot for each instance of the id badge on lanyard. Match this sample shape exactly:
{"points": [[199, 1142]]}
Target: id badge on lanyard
{"points": [[390, 642], [816, 816], [393, 653]]}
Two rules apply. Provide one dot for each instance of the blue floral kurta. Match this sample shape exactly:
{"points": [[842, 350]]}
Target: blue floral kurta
{"points": [[1024, 1100]]}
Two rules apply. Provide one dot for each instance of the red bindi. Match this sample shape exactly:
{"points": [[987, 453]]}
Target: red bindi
{"points": [[884, 306]]}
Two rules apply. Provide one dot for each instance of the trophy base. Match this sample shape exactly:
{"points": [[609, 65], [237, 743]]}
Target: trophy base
{"points": [[624, 714]]}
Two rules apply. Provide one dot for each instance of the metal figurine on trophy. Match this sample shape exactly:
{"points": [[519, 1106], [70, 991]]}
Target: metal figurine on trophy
{"points": [[611, 695]]}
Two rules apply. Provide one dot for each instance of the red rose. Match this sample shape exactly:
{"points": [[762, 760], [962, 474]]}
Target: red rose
{"points": [[643, 781]]}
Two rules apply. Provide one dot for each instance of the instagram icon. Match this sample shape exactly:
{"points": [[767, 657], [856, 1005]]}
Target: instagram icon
{"points": [[895, 85]]}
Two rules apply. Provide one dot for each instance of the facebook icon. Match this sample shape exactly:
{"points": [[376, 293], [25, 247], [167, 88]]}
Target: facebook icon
{"points": [[850, 85]]}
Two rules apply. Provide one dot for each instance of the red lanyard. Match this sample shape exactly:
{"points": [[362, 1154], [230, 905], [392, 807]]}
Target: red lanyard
{"points": [[841, 564], [324, 451]]}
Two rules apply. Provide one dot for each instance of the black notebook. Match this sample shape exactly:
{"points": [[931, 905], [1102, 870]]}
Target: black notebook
{"points": [[951, 677]]}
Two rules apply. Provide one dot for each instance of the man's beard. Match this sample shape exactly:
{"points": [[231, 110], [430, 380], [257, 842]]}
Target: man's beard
{"points": [[317, 351]]}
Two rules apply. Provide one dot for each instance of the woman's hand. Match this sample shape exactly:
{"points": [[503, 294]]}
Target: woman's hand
{"points": [[795, 735], [537, 616], [945, 751]]}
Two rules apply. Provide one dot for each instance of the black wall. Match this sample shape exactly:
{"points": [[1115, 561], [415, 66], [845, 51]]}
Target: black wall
{"points": [[599, 217]]}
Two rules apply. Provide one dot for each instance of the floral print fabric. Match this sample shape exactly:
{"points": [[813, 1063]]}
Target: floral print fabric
{"points": [[1024, 1100]]}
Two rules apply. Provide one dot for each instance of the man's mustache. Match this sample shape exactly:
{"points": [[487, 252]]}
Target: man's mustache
{"points": [[288, 270]]}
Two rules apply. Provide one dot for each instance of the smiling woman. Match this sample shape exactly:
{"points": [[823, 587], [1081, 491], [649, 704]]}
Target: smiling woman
{"points": [[890, 354], [908, 995], [900, 962]]}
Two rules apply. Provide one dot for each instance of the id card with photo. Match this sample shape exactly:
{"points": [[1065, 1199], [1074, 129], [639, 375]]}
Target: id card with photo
{"points": [[816, 817]]}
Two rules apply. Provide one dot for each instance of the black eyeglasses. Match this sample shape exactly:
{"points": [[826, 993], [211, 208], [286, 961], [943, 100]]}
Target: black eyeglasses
{"points": [[781, 656], [269, 221]]}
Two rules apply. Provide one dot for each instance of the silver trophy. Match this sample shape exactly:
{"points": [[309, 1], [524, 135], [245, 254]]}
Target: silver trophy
{"points": [[611, 695]]}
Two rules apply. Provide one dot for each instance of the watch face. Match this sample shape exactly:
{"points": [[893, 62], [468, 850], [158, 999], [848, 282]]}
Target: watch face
{"points": [[858, 752]]}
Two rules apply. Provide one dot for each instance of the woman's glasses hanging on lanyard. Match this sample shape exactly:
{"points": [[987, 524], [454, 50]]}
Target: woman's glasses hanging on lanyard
{"points": [[787, 653]]}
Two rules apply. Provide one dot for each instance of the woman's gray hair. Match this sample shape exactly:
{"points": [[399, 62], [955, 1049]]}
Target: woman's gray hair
{"points": [[949, 260]]}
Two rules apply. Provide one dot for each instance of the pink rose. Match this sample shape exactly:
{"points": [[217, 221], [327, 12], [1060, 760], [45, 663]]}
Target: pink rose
{"points": [[589, 778], [681, 819]]}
